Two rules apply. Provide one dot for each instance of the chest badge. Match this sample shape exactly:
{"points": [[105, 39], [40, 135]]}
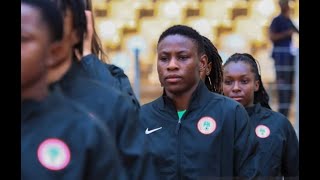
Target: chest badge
{"points": [[207, 125], [54, 154], [262, 131]]}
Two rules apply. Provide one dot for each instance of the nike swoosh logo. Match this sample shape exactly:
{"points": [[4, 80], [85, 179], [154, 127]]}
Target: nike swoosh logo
{"points": [[151, 131]]}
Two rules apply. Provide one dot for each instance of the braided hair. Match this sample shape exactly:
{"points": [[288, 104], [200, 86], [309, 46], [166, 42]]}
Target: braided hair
{"points": [[261, 96], [214, 80]]}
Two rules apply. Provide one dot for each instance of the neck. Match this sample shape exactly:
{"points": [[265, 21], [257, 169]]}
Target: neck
{"points": [[182, 100], [36, 92], [285, 13], [56, 73]]}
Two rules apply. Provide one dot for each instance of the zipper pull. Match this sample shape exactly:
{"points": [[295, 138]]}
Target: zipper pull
{"points": [[178, 126]]}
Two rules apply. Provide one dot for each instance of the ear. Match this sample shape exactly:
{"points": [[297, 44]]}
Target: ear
{"points": [[56, 54], [256, 85], [203, 62], [74, 37]]}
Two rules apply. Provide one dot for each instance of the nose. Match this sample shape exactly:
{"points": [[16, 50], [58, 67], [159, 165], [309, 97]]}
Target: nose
{"points": [[172, 64], [236, 87]]}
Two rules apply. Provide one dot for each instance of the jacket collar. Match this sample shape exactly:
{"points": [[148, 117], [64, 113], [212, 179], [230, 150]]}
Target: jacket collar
{"points": [[258, 111], [29, 107], [198, 96]]}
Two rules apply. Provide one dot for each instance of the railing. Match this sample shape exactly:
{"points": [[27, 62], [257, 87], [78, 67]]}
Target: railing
{"points": [[296, 122], [294, 51]]}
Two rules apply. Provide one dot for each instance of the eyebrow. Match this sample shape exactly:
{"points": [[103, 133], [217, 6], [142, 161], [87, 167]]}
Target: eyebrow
{"points": [[241, 75], [179, 52]]}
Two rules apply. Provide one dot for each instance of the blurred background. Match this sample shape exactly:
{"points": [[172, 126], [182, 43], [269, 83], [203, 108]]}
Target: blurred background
{"points": [[129, 31]]}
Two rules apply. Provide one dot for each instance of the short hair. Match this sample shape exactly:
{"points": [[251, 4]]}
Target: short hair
{"points": [[50, 15], [186, 31]]}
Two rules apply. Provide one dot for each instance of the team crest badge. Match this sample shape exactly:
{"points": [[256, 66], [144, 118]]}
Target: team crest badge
{"points": [[207, 125], [262, 131], [54, 154]]}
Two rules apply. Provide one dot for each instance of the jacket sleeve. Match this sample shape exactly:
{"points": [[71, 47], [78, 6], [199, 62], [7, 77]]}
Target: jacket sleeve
{"points": [[131, 141], [290, 161], [123, 83], [110, 75], [97, 70], [245, 156], [103, 161]]}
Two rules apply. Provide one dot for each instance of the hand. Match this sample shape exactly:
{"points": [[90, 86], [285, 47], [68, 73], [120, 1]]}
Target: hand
{"points": [[87, 38]]}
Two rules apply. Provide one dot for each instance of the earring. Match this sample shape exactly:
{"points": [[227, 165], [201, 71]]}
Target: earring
{"points": [[210, 81]]}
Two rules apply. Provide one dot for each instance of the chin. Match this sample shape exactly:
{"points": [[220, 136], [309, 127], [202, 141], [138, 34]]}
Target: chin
{"points": [[174, 89]]}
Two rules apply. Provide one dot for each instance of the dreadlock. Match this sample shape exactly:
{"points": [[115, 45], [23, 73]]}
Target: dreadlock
{"points": [[261, 96], [215, 78]]}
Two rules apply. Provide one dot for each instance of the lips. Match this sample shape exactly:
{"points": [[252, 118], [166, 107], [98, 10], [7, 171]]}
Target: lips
{"points": [[237, 98], [173, 78]]}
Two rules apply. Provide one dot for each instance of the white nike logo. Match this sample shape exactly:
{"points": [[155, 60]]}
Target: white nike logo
{"points": [[153, 130]]}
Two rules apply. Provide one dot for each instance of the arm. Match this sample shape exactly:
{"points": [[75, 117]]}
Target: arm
{"points": [[87, 38], [280, 35], [103, 160], [290, 160], [131, 141], [280, 29]]}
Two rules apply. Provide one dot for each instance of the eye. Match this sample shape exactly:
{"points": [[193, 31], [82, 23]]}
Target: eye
{"points": [[163, 58], [244, 81], [227, 82], [183, 58]]}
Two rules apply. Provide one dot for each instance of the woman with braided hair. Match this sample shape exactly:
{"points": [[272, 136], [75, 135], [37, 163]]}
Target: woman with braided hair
{"points": [[278, 144], [213, 74]]}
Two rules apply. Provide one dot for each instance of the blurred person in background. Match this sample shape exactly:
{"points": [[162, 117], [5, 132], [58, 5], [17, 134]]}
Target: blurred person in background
{"points": [[280, 32]]}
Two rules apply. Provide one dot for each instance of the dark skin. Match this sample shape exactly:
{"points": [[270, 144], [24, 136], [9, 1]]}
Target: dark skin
{"points": [[63, 55], [179, 65], [239, 83], [36, 47]]}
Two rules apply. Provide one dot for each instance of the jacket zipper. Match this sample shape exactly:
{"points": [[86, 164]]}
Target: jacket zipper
{"points": [[179, 148]]}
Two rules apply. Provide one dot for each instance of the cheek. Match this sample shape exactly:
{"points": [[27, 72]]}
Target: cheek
{"points": [[226, 89], [249, 93], [160, 70], [192, 71], [32, 62]]}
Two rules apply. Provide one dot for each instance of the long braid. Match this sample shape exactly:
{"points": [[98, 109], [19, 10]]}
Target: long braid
{"points": [[261, 96], [216, 73]]}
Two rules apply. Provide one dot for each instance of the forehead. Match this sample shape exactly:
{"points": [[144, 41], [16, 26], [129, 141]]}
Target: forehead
{"points": [[176, 42], [239, 67], [29, 15]]}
